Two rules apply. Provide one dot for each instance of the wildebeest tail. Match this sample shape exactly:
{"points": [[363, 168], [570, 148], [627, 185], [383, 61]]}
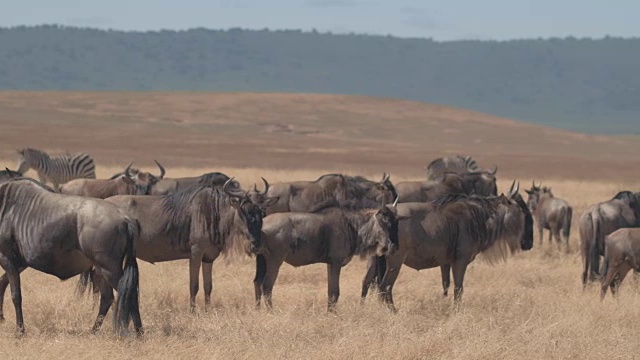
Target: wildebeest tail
{"points": [[566, 222], [128, 303], [605, 264], [595, 247]]}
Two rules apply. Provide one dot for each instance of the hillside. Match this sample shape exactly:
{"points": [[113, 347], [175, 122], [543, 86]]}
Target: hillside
{"points": [[580, 84], [299, 131]]}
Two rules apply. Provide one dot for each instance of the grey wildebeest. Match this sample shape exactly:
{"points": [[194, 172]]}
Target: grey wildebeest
{"points": [[129, 183], [6, 175], [57, 169], [450, 232], [551, 213], [172, 185], [331, 235], [198, 224], [457, 164], [64, 236], [600, 220], [354, 192], [448, 183], [621, 254]]}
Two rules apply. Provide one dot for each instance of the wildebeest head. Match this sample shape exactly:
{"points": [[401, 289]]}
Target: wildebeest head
{"points": [[387, 219], [382, 191], [6, 175], [534, 195], [513, 200], [144, 181], [251, 210]]}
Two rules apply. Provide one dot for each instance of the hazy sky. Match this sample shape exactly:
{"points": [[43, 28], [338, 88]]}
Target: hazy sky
{"points": [[440, 20]]}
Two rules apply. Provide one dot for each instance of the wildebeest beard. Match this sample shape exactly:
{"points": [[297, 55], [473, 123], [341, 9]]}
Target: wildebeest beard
{"points": [[497, 231], [214, 213]]}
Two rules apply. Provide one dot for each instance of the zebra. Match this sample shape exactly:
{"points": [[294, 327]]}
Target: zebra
{"points": [[58, 169]]}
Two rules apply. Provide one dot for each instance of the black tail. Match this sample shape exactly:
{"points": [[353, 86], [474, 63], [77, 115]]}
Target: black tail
{"points": [[605, 265], [128, 303], [595, 249], [566, 225]]}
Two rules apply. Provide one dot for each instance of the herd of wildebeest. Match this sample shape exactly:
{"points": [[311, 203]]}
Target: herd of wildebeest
{"points": [[97, 228]]}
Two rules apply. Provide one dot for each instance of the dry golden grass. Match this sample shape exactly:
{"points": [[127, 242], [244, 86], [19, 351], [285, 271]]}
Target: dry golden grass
{"points": [[532, 306]]}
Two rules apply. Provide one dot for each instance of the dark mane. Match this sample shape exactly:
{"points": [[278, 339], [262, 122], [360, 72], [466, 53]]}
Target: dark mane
{"points": [[175, 204], [213, 179], [36, 182], [457, 197], [624, 195]]}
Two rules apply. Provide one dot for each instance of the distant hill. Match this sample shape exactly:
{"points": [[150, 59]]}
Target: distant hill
{"points": [[579, 84]]}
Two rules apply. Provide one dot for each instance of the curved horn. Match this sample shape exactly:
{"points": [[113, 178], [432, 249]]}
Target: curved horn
{"points": [[255, 187], [126, 170], [266, 186], [511, 192], [162, 170], [225, 189], [385, 176], [539, 185], [495, 170], [395, 202]]}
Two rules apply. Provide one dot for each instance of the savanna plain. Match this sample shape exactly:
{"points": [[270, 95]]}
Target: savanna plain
{"points": [[531, 306]]}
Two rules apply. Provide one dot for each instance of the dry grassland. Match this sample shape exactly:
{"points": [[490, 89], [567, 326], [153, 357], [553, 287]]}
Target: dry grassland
{"points": [[531, 307]]}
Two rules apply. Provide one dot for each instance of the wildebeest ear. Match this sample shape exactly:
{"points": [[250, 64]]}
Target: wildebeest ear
{"points": [[270, 201], [20, 151], [528, 191]]}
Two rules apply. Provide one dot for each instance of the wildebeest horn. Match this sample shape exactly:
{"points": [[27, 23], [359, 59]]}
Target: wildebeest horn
{"points": [[385, 176], [512, 190], [395, 202], [538, 187], [126, 170], [495, 170], [162, 170], [232, 194], [266, 186]]}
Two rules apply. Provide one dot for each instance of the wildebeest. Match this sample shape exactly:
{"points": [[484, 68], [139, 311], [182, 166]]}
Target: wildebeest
{"points": [[600, 220], [457, 164], [550, 212], [198, 224], [331, 189], [129, 183], [621, 254], [448, 183], [64, 236], [332, 236], [450, 232], [57, 169], [172, 185], [6, 175]]}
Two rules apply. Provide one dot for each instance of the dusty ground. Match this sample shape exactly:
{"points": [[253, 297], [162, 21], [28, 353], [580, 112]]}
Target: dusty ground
{"points": [[530, 307]]}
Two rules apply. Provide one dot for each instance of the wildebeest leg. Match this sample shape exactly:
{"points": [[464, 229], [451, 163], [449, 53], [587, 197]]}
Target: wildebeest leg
{"points": [[106, 300], [623, 270], [612, 270], [369, 277], [207, 282], [333, 274], [261, 272], [386, 286], [194, 270], [273, 267], [541, 233], [550, 237], [4, 282], [459, 268], [556, 234], [13, 273], [446, 279]]}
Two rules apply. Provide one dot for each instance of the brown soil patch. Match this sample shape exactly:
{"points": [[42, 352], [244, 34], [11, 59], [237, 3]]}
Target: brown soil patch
{"points": [[299, 131]]}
